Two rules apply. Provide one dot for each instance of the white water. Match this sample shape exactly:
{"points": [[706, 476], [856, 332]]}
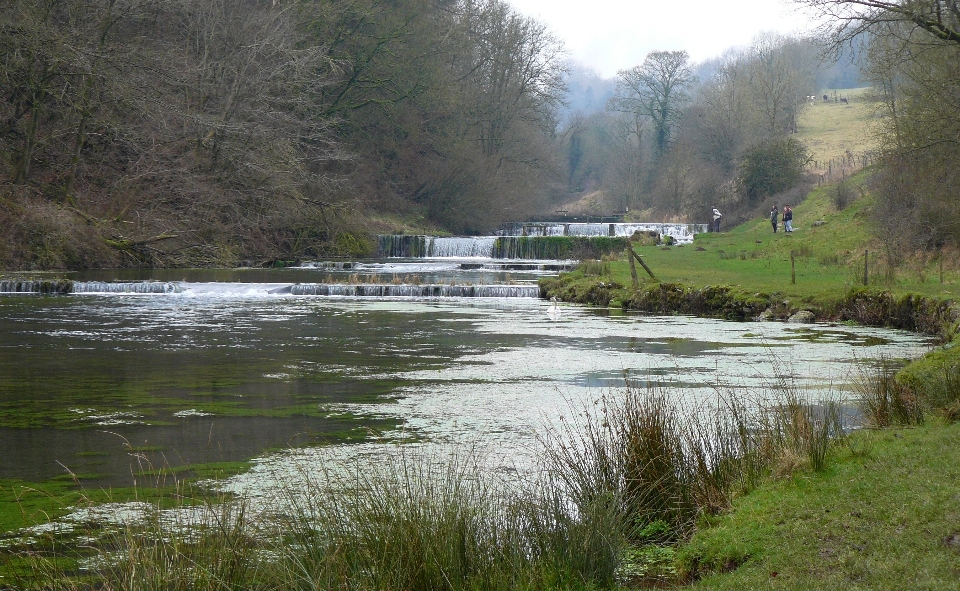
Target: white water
{"points": [[417, 291], [144, 287], [259, 290], [461, 247], [681, 233]]}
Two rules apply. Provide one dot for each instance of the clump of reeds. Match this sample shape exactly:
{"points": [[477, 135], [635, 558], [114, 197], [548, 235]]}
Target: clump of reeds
{"points": [[663, 465], [883, 400], [418, 523], [591, 267], [635, 469]]}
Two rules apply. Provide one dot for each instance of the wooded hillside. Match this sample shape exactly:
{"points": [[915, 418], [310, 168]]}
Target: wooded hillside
{"points": [[175, 132]]}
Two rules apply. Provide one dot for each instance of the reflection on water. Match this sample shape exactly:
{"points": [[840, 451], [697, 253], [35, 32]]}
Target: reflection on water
{"points": [[101, 384]]}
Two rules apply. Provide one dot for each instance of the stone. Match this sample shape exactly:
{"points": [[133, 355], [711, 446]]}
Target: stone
{"points": [[700, 249], [802, 317], [765, 315], [818, 223]]}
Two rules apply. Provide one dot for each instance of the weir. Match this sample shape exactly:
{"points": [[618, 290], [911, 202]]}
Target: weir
{"points": [[402, 246], [361, 290], [681, 233], [499, 247], [54, 286], [65, 286], [125, 287], [415, 291]]}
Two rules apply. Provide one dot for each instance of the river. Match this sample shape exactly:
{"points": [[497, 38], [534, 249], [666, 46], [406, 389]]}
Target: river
{"points": [[228, 366]]}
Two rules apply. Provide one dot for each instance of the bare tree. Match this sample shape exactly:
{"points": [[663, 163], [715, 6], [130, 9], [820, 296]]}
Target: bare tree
{"points": [[657, 88], [845, 19]]}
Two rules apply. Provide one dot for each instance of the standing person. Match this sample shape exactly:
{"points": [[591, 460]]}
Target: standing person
{"points": [[716, 219], [773, 218], [787, 218]]}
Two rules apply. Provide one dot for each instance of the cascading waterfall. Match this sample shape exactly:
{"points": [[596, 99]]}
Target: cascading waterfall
{"points": [[363, 290], [435, 247], [502, 247], [125, 287], [530, 240], [415, 291], [681, 233], [48, 286], [461, 247]]}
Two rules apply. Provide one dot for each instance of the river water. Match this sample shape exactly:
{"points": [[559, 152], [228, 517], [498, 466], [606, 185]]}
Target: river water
{"points": [[231, 365]]}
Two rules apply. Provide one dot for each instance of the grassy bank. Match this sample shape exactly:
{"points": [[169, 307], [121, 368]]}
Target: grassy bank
{"points": [[828, 247], [885, 515]]}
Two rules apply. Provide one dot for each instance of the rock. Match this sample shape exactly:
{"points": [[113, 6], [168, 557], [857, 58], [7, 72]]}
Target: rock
{"points": [[802, 317], [758, 241], [818, 223], [765, 315], [700, 249]]}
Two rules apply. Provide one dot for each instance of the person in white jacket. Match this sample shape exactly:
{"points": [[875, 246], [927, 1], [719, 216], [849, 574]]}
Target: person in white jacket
{"points": [[716, 219]]}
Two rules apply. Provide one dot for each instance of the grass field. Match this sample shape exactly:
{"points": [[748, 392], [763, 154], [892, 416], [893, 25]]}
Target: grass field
{"points": [[832, 129], [829, 258]]}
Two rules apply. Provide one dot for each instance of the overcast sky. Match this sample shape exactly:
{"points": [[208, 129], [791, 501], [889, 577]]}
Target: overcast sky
{"points": [[610, 35]]}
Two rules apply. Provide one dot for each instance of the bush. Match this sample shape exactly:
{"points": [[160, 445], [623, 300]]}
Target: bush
{"points": [[842, 194], [771, 167]]}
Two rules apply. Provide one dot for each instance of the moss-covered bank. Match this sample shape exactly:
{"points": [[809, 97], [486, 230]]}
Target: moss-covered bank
{"points": [[913, 312]]}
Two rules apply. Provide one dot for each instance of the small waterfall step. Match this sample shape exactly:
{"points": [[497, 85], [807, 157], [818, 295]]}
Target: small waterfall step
{"points": [[42, 286], [386, 290], [681, 233], [125, 287], [66, 286], [555, 267], [540, 248]]}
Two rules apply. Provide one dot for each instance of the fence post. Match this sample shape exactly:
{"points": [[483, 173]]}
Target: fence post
{"points": [[633, 267], [793, 270]]}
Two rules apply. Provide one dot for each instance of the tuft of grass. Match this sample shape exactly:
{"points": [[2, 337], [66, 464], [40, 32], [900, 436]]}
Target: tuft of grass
{"points": [[594, 268], [885, 401]]}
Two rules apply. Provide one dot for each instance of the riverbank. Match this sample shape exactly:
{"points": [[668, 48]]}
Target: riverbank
{"points": [[884, 514]]}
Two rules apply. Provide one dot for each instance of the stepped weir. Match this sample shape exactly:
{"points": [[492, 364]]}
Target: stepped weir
{"points": [[499, 247], [533, 240], [681, 233], [357, 290]]}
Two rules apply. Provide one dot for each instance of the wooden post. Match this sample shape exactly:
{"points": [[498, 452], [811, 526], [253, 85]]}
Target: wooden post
{"points": [[793, 270], [643, 264], [633, 267], [866, 264], [941, 268]]}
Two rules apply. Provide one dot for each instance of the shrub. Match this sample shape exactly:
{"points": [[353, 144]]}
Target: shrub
{"points": [[771, 167], [842, 194]]}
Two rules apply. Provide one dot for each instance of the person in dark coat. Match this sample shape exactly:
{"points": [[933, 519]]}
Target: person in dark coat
{"points": [[787, 218], [773, 218]]}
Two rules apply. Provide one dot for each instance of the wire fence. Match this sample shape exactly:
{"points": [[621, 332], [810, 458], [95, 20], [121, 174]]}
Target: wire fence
{"points": [[840, 167]]}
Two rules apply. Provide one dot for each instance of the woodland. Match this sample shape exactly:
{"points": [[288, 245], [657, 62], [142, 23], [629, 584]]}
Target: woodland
{"points": [[249, 132]]}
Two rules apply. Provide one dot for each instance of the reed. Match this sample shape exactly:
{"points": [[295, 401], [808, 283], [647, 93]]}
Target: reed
{"points": [[883, 400], [636, 469]]}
